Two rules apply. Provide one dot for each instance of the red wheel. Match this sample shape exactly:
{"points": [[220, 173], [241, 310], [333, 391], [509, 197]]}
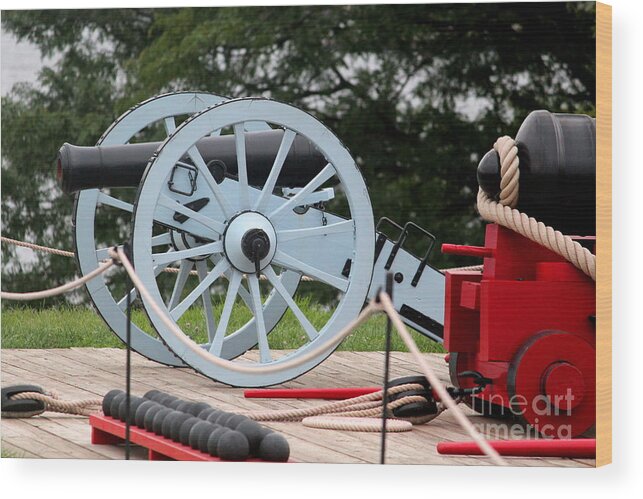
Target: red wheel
{"points": [[552, 384]]}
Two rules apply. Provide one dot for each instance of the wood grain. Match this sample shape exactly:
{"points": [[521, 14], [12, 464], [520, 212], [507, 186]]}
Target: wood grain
{"points": [[603, 234]]}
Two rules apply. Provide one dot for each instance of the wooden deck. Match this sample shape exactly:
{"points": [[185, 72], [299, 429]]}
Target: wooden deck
{"points": [[90, 372]]}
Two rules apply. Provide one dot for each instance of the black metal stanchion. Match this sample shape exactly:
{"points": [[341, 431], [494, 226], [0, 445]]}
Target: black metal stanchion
{"points": [[128, 359], [387, 361]]}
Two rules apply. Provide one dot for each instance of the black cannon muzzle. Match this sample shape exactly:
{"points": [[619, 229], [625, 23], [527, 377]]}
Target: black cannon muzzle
{"points": [[81, 167]]}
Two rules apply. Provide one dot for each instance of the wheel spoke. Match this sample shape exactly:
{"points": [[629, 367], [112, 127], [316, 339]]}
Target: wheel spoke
{"points": [[282, 153], [205, 284], [285, 260], [324, 230], [115, 203], [204, 220], [170, 125], [179, 284], [173, 256], [327, 173], [242, 166], [217, 342], [276, 283], [197, 159], [262, 337], [202, 272]]}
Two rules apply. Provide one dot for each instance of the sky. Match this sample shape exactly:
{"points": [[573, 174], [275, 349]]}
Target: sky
{"points": [[20, 61]]}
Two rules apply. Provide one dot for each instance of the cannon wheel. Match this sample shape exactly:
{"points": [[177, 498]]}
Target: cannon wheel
{"points": [[297, 242], [89, 251]]}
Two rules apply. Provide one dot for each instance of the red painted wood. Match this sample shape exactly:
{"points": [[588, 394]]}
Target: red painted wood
{"points": [[582, 448], [107, 430], [311, 393], [492, 316]]}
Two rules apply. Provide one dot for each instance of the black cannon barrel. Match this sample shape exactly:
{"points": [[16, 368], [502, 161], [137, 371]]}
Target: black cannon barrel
{"points": [[80, 167], [557, 155]]}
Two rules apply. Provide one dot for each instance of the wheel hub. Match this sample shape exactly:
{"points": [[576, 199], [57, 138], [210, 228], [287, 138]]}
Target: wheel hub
{"points": [[250, 241], [564, 385]]}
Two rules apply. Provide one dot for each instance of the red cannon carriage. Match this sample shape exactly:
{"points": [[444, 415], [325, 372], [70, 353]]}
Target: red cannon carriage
{"points": [[525, 327]]}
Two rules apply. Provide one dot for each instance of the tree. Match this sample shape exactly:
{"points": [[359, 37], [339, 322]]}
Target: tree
{"points": [[418, 93]]}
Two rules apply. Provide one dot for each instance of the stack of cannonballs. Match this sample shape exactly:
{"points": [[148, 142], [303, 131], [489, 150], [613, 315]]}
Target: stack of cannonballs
{"points": [[226, 435]]}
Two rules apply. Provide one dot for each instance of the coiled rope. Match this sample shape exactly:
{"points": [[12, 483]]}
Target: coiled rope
{"points": [[503, 212], [356, 414]]}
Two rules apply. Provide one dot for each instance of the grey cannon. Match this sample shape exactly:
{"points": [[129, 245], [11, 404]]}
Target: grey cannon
{"points": [[80, 167]]}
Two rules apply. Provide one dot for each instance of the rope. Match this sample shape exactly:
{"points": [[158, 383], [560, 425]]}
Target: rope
{"points": [[53, 403], [47, 293], [503, 212], [36, 247]]}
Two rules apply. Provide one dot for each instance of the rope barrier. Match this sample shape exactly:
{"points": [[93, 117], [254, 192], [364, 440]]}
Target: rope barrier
{"points": [[48, 293], [503, 212]]}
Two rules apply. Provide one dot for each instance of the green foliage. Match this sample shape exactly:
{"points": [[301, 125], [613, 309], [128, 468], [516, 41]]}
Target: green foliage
{"points": [[418, 93]]}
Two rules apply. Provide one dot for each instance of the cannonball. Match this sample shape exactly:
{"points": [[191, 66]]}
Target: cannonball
{"points": [[107, 400], [176, 425], [157, 424], [223, 418], [184, 430], [134, 402], [166, 400], [205, 413], [142, 409], [233, 446], [151, 394], [114, 406], [166, 428], [184, 406], [195, 432], [213, 416], [235, 420], [213, 439], [253, 432], [197, 407], [274, 447], [175, 403], [204, 435], [148, 420]]}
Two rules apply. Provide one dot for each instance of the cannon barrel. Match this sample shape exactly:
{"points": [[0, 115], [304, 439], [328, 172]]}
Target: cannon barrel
{"points": [[557, 155], [80, 167]]}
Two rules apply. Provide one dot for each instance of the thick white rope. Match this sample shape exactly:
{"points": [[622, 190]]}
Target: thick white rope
{"points": [[47, 293], [505, 214]]}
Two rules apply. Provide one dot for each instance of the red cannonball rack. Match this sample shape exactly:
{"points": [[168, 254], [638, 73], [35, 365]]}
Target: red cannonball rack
{"points": [[109, 431]]}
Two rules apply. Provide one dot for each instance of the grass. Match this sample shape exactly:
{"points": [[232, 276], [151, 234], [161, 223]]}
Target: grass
{"points": [[6, 453], [83, 327]]}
